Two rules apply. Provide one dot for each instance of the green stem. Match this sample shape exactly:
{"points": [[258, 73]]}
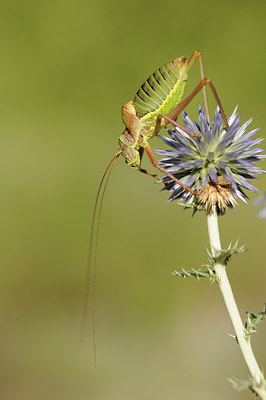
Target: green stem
{"points": [[232, 309]]}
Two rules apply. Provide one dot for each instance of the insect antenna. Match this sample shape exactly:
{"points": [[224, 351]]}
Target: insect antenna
{"points": [[95, 217]]}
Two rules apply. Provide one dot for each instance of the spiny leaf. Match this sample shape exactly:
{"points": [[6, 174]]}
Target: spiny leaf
{"points": [[251, 384], [224, 256], [240, 385], [196, 273], [253, 320], [234, 337]]}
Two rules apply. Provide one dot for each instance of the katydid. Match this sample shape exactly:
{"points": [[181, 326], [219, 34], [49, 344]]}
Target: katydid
{"points": [[157, 103]]}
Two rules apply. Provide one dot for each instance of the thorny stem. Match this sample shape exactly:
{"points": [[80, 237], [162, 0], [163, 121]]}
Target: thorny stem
{"points": [[232, 309]]}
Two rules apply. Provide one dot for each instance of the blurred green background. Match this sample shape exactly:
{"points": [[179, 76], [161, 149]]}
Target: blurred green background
{"points": [[66, 70]]}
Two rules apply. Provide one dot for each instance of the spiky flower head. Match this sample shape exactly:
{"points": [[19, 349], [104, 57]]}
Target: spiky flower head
{"points": [[217, 166]]}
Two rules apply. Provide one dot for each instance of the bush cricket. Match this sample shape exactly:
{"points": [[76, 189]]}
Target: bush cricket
{"points": [[157, 103]]}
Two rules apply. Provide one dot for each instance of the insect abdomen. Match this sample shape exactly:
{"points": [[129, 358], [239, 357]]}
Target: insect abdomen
{"points": [[162, 91]]}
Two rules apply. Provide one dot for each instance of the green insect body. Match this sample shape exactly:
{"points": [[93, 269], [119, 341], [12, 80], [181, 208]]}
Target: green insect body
{"points": [[158, 95], [162, 91]]}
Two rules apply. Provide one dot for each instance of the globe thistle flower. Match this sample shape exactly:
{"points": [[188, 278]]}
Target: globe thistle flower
{"points": [[218, 166]]}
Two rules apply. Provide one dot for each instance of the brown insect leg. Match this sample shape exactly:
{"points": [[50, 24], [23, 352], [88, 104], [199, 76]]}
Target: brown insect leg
{"points": [[180, 107], [156, 165], [197, 54], [144, 171], [174, 123]]}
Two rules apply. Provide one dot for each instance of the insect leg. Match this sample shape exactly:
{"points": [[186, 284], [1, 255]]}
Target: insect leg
{"points": [[197, 54], [156, 165], [180, 107], [174, 123], [144, 171]]}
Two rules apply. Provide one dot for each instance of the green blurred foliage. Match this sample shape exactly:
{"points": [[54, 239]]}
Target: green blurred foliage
{"points": [[66, 70]]}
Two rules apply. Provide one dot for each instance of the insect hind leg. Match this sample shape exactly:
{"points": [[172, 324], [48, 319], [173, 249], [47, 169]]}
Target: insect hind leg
{"points": [[194, 55], [204, 82]]}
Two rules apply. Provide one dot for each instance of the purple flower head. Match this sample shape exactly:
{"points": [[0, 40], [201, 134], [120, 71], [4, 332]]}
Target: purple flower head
{"points": [[218, 166]]}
